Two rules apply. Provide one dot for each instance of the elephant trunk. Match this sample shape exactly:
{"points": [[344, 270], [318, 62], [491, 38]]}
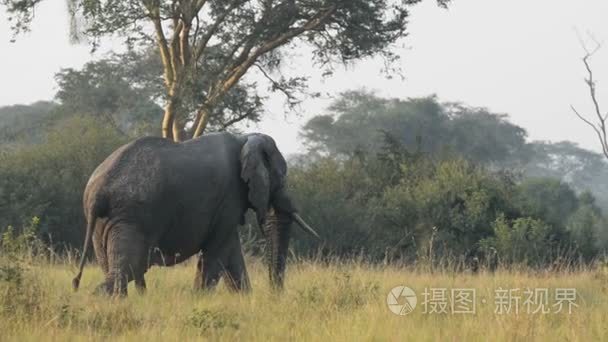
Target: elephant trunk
{"points": [[277, 229]]}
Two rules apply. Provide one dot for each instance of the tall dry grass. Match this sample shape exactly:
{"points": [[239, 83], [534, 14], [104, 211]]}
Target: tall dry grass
{"points": [[321, 302]]}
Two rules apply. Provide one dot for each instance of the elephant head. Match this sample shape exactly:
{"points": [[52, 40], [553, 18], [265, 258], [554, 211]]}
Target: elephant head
{"points": [[264, 170]]}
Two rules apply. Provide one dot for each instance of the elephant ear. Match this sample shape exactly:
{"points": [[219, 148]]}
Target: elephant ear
{"points": [[264, 170]]}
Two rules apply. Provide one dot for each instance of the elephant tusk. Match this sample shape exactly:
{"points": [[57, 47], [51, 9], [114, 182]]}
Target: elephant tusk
{"points": [[305, 225]]}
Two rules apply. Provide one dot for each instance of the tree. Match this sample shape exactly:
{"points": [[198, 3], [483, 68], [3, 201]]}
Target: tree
{"points": [[599, 127], [358, 120], [522, 240], [46, 179], [547, 199], [25, 123], [582, 169], [222, 40], [119, 89]]}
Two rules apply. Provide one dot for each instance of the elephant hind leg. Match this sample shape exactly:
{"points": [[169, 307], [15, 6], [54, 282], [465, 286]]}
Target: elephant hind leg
{"points": [[127, 259], [100, 251]]}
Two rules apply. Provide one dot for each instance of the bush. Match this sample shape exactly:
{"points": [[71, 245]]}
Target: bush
{"points": [[585, 227], [206, 320], [446, 209], [401, 206], [333, 198], [47, 180], [521, 241]]}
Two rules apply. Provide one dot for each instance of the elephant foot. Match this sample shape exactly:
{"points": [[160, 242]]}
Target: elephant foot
{"points": [[115, 290], [239, 285], [140, 285], [208, 273], [111, 288]]}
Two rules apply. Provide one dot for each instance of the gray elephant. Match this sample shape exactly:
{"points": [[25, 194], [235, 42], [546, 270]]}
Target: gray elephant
{"points": [[154, 201]]}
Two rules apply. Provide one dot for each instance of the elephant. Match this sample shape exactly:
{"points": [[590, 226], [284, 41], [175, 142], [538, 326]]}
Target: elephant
{"points": [[158, 202]]}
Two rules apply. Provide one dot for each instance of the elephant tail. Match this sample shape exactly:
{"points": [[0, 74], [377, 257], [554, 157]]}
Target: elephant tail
{"points": [[98, 210]]}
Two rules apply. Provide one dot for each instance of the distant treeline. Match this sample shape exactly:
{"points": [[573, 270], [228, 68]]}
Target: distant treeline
{"points": [[420, 180], [392, 180]]}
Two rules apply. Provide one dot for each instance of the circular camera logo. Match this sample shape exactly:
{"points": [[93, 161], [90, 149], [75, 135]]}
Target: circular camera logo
{"points": [[401, 300]]}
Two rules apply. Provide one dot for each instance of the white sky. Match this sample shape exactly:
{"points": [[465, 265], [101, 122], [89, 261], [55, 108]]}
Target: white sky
{"points": [[519, 57]]}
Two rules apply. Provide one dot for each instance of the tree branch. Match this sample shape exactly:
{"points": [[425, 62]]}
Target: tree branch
{"points": [[282, 39], [278, 86], [600, 128], [237, 73], [163, 46], [237, 119], [213, 29], [595, 128]]}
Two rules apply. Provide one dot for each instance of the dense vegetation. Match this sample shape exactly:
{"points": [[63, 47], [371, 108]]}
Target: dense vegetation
{"points": [[391, 180], [421, 180]]}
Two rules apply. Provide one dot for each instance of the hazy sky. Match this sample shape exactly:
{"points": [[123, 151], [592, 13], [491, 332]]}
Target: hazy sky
{"points": [[519, 57]]}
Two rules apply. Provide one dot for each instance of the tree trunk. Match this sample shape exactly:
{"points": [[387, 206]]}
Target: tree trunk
{"points": [[168, 119], [204, 115], [178, 129]]}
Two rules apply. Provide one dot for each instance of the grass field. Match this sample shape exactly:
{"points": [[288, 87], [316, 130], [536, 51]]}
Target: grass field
{"points": [[342, 302]]}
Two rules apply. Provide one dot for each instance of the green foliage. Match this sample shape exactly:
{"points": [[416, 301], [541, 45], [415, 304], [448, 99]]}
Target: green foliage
{"points": [[47, 180], [587, 228], [583, 170], [206, 320], [399, 205], [358, 121], [25, 243], [523, 240], [360, 28], [391, 198], [208, 47], [125, 90], [119, 89], [344, 293], [333, 196], [20, 292], [450, 204], [354, 293], [550, 199], [25, 123]]}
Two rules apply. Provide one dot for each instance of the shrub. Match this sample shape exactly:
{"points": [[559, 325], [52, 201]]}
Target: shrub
{"points": [[27, 243], [206, 320], [20, 293], [47, 180], [521, 241]]}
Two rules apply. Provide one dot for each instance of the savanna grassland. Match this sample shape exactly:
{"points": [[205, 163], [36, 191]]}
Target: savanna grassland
{"points": [[321, 302]]}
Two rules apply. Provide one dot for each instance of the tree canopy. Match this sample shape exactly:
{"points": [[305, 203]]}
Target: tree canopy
{"points": [[358, 120], [220, 41]]}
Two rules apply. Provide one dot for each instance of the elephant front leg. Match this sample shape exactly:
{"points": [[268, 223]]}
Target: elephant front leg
{"points": [[208, 272], [140, 284], [237, 278], [223, 260]]}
